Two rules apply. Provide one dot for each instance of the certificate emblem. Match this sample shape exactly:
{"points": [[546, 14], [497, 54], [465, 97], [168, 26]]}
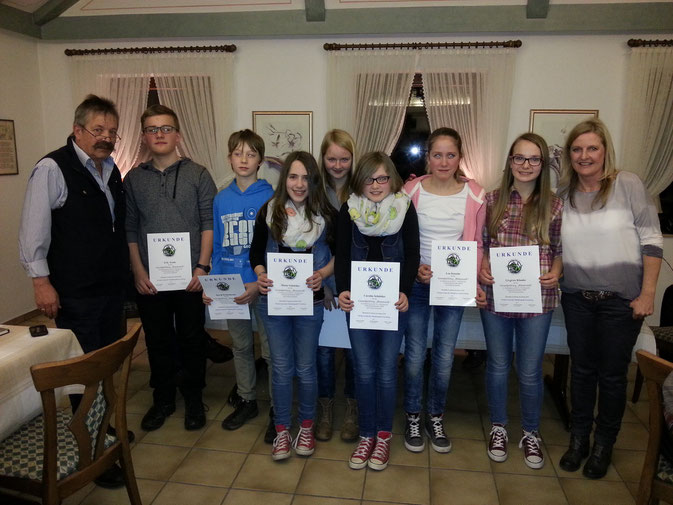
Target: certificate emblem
{"points": [[453, 260], [514, 267], [289, 272], [374, 282], [169, 250], [222, 286]]}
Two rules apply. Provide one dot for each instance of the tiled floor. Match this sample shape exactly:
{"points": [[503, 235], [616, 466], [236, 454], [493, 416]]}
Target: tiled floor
{"points": [[213, 466]]}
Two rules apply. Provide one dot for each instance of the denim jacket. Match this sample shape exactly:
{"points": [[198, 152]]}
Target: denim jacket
{"points": [[320, 250], [392, 247]]}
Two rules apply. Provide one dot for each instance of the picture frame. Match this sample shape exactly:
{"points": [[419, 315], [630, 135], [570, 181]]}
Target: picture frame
{"points": [[554, 124], [284, 132], [9, 162]]}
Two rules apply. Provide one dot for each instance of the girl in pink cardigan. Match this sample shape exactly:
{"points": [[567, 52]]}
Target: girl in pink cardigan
{"points": [[449, 207]]}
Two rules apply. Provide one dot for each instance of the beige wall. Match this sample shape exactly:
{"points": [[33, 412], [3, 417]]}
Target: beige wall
{"points": [[289, 74], [20, 100]]}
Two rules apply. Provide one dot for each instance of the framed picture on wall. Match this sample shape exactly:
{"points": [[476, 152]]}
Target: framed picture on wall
{"points": [[555, 124], [9, 163], [284, 132]]}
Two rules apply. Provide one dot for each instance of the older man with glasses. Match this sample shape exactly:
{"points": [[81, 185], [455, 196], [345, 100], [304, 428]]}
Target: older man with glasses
{"points": [[72, 241]]}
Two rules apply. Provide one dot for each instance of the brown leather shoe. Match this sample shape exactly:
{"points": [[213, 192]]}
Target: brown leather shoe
{"points": [[350, 430], [323, 428]]}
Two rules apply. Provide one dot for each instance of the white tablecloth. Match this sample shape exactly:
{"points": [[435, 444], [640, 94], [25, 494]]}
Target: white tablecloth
{"points": [[19, 401]]}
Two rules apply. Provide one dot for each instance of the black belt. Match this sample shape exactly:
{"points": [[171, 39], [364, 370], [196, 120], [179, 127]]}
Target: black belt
{"points": [[595, 296]]}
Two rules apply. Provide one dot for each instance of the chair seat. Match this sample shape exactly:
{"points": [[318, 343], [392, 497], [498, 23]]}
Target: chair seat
{"points": [[23, 451], [663, 333]]}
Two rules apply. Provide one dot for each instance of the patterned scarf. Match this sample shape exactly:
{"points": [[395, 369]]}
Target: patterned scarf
{"points": [[297, 236], [378, 219]]}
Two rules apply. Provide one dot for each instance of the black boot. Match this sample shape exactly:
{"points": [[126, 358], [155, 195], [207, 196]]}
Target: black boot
{"points": [[597, 465], [195, 410], [270, 434], [577, 451]]}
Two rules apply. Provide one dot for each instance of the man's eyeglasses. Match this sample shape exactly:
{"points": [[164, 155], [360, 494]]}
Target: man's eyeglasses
{"points": [[533, 161], [98, 134], [383, 179], [165, 129]]}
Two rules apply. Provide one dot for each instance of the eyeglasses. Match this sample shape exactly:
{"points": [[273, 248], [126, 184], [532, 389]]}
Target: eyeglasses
{"points": [[533, 161], [153, 130], [383, 179], [98, 134]]}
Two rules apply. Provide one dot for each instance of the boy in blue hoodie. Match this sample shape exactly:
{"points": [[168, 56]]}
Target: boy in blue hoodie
{"points": [[235, 210]]}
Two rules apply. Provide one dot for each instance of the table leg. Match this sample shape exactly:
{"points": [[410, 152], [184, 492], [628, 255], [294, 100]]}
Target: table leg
{"points": [[558, 387]]}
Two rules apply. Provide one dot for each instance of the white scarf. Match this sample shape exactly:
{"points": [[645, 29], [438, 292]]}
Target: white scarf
{"points": [[378, 219], [297, 235]]}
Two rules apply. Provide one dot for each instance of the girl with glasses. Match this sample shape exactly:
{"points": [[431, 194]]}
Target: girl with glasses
{"points": [[377, 223], [297, 219], [522, 212], [449, 207]]}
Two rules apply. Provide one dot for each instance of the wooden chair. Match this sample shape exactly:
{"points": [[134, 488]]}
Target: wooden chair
{"points": [[55, 454], [656, 479]]}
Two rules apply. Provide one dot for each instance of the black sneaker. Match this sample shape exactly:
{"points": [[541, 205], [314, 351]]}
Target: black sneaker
{"points": [[156, 416], [195, 415], [434, 427], [270, 434], [413, 439], [234, 398], [247, 409], [112, 478]]}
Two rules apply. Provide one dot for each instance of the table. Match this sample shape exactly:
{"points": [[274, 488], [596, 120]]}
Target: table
{"points": [[471, 336], [19, 401]]}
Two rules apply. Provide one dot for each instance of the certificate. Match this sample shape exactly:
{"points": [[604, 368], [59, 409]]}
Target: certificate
{"points": [[170, 260], [223, 289], [454, 273], [289, 295], [375, 288], [516, 272]]}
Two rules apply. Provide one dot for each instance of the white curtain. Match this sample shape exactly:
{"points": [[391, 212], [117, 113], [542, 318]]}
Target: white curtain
{"points": [[470, 90], [648, 133], [367, 95], [125, 79]]}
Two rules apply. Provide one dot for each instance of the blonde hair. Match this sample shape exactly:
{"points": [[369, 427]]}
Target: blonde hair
{"points": [[537, 210], [570, 179], [342, 139]]}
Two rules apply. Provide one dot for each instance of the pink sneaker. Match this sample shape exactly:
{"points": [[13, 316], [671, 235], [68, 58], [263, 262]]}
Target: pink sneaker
{"points": [[381, 453], [361, 453], [304, 444], [281, 444]]}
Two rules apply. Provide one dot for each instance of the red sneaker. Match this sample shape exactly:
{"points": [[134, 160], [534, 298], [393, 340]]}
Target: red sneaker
{"points": [[282, 443], [304, 444], [361, 453], [381, 453]]}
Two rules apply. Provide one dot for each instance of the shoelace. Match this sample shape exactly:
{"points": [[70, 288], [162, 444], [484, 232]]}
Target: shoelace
{"points": [[282, 441], [364, 448], [499, 438], [437, 427], [304, 437], [414, 426], [381, 449], [532, 442]]}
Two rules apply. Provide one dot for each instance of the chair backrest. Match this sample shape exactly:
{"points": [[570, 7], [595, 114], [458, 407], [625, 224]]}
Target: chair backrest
{"points": [[655, 370], [89, 424]]}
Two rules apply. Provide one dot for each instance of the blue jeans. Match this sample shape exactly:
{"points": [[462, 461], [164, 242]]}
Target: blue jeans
{"points": [[531, 339], [375, 354], [601, 336], [326, 374], [293, 342], [446, 326]]}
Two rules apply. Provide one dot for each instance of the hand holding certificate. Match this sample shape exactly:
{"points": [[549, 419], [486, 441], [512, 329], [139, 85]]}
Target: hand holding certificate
{"points": [[170, 260], [516, 274], [290, 296], [223, 289], [375, 288], [454, 273]]}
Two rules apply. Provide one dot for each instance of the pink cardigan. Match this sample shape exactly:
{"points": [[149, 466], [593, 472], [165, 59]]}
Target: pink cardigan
{"points": [[475, 210]]}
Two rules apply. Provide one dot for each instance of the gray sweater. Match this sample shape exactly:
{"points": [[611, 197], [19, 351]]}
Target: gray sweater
{"points": [[179, 199]]}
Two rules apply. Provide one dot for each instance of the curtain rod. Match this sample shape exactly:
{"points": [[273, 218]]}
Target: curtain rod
{"points": [[650, 43], [230, 48], [422, 45]]}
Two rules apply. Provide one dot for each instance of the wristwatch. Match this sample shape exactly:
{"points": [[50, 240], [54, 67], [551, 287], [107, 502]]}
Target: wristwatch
{"points": [[205, 268]]}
